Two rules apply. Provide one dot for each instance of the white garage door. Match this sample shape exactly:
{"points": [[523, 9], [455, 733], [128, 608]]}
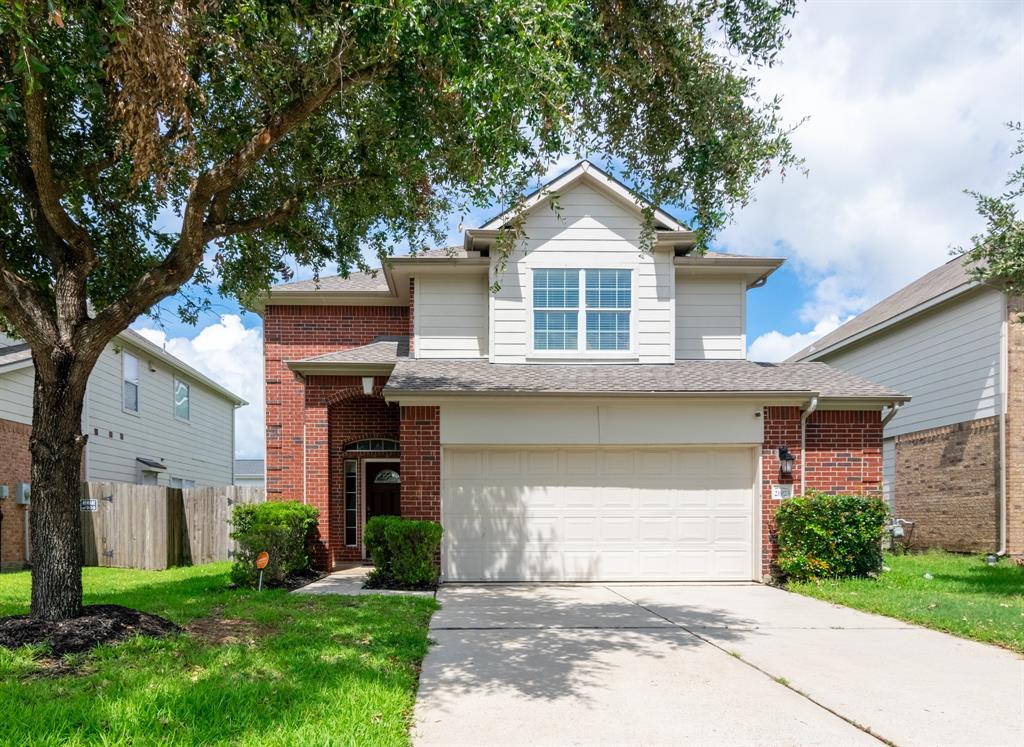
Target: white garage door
{"points": [[597, 514]]}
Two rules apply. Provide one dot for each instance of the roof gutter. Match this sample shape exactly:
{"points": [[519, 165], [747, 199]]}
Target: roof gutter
{"points": [[305, 368], [808, 411]]}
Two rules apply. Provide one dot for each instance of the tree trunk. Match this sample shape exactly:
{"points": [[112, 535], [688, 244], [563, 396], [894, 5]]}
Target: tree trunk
{"points": [[56, 445]]}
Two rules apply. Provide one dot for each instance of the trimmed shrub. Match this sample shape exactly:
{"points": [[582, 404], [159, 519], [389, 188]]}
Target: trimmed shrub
{"points": [[403, 552], [282, 529], [829, 536]]}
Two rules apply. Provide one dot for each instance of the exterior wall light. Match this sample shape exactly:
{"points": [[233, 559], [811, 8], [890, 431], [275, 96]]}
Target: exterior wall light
{"points": [[785, 461], [368, 386]]}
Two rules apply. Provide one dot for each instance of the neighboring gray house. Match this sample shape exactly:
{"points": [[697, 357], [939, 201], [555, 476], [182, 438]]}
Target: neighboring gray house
{"points": [[249, 473], [954, 456], [150, 418]]}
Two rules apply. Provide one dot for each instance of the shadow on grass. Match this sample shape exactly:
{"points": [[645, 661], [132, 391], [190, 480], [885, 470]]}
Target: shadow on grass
{"points": [[316, 670]]}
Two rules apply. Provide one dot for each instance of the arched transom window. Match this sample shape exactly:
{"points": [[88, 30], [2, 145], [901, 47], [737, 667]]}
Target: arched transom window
{"points": [[373, 444]]}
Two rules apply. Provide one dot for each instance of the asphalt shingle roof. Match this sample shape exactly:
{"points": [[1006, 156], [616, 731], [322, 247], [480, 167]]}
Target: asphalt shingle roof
{"points": [[381, 350], [939, 281], [705, 377], [363, 282], [15, 354]]}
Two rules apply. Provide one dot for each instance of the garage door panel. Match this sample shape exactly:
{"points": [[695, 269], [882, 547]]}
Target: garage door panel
{"points": [[579, 514]]}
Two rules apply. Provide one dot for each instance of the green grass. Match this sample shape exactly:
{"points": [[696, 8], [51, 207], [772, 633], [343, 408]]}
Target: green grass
{"points": [[301, 670], [965, 597]]}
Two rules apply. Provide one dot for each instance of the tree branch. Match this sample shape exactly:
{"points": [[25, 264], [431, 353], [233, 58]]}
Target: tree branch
{"points": [[25, 307], [231, 228], [48, 189], [180, 264]]}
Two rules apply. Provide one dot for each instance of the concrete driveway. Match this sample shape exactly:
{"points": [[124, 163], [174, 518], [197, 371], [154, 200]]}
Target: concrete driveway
{"points": [[701, 664]]}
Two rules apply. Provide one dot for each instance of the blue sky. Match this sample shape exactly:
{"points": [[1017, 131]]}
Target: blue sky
{"points": [[905, 104]]}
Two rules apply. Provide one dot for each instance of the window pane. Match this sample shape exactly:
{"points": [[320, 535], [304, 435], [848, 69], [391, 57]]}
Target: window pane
{"points": [[608, 289], [130, 367], [608, 330], [181, 399], [131, 396], [351, 512], [554, 330], [556, 289]]}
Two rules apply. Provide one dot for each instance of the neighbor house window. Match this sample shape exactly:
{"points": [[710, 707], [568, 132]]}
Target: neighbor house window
{"points": [[130, 382], [609, 298], [556, 303], [351, 512], [607, 306], [182, 400]]}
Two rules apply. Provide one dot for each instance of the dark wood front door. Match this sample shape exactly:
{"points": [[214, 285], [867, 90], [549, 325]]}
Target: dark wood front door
{"points": [[382, 489]]}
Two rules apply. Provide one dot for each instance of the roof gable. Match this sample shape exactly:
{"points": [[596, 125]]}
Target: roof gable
{"points": [[586, 173]]}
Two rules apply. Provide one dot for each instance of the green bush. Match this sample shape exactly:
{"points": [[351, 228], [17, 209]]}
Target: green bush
{"points": [[403, 552], [829, 536], [281, 528]]}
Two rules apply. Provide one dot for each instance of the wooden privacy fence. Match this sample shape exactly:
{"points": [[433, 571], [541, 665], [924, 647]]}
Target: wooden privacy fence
{"points": [[153, 527]]}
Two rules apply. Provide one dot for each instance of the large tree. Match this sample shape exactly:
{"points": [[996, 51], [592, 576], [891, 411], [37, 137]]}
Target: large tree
{"points": [[269, 134], [997, 254]]}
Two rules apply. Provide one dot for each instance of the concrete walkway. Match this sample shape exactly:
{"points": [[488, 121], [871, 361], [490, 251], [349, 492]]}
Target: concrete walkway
{"points": [[701, 664], [350, 582]]}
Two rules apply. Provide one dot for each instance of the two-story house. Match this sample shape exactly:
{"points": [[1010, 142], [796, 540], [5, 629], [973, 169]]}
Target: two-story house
{"points": [[954, 457], [150, 419], [580, 410]]}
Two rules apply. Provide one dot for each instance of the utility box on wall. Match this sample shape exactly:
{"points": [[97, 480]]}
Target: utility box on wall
{"points": [[23, 494]]}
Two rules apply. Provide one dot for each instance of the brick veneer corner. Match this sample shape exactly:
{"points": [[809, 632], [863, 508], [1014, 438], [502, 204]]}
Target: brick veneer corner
{"points": [[420, 437], [15, 467], [1015, 427]]}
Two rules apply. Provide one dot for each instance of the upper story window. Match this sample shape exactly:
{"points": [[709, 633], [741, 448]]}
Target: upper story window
{"points": [[609, 299], [129, 382], [182, 400], [556, 303], [607, 306]]}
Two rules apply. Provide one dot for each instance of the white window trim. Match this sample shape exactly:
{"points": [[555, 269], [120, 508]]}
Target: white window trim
{"points": [[581, 353], [137, 382], [174, 399]]}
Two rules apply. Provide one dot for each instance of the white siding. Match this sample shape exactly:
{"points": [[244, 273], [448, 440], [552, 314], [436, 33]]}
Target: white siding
{"points": [[710, 320], [612, 422], [16, 395], [948, 360], [451, 316], [593, 231], [201, 449]]}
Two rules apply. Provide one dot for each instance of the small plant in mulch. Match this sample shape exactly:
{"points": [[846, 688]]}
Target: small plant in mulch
{"points": [[404, 553], [98, 624]]}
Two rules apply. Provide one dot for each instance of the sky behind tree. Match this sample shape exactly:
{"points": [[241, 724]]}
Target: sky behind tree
{"points": [[906, 105]]}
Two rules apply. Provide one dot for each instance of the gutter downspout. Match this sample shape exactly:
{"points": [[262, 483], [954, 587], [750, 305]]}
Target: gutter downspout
{"points": [[893, 409], [811, 407], [1004, 369]]}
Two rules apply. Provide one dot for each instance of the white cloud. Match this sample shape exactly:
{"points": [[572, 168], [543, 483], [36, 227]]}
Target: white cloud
{"points": [[774, 346], [232, 356], [906, 103]]}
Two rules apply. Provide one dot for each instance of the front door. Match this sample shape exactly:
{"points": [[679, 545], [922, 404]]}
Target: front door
{"points": [[383, 488]]}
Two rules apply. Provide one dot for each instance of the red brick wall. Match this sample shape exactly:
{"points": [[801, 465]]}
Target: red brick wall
{"points": [[15, 467], [421, 462], [295, 332], [844, 455]]}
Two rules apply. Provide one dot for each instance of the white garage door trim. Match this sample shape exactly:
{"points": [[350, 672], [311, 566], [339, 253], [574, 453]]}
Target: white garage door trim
{"points": [[622, 513]]}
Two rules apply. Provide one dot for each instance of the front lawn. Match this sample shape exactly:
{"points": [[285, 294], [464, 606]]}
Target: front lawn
{"points": [[268, 668], [964, 596]]}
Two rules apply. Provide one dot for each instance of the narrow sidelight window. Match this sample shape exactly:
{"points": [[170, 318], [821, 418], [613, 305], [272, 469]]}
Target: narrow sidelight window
{"points": [[351, 510]]}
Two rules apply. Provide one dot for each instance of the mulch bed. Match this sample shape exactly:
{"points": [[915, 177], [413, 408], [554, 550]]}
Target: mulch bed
{"points": [[99, 623], [297, 579]]}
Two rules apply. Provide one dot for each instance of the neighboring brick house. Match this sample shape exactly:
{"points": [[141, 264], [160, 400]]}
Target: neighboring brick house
{"points": [[954, 457], [149, 418], [583, 411]]}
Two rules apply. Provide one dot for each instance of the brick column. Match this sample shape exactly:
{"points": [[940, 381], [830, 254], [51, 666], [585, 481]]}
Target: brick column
{"points": [[1015, 427], [781, 428], [420, 437]]}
